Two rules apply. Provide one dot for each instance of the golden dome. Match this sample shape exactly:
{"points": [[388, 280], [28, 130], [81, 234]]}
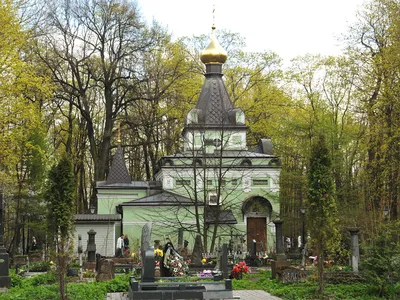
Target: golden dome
{"points": [[214, 53]]}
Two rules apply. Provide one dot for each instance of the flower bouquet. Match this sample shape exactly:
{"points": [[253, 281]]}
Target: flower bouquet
{"points": [[176, 265], [205, 274], [239, 269], [158, 253]]}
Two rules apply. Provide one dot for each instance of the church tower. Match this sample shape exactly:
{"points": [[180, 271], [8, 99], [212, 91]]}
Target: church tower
{"points": [[214, 123]]}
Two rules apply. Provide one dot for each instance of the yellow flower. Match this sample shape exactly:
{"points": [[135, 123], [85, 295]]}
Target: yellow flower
{"points": [[133, 255], [158, 252], [204, 260]]}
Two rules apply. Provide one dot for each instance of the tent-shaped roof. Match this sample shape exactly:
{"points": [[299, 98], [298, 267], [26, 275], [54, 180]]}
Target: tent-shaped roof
{"points": [[118, 171]]}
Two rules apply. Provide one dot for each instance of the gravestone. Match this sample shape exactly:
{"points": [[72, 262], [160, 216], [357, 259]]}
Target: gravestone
{"points": [[281, 261], [224, 261], [147, 254], [355, 249], [280, 251], [197, 251], [80, 252], [184, 251], [145, 242], [105, 270], [91, 246], [180, 238]]}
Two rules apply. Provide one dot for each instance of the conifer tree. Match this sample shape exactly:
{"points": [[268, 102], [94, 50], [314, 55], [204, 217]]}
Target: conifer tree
{"points": [[322, 220], [60, 204]]}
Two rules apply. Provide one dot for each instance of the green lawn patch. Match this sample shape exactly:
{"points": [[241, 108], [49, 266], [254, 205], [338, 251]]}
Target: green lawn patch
{"points": [[307, 289]]}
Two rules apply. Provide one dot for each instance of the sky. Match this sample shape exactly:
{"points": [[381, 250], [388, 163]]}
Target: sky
{"points": [[288, 27]]}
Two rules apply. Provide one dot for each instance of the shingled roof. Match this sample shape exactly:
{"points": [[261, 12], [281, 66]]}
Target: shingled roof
{"points": [[214, 102], [163, 198], [97, 217], [225, 217], [118, 171]]}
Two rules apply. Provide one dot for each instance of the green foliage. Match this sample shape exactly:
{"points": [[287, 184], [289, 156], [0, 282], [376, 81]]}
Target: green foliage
{"points": [[382, 263], [30, 292], [44, 279], [304, 290], [24, 288], [322, 221], [60, 198], [322, 218], [16, 280], [91, 290], [43, 287], [119, 284]]}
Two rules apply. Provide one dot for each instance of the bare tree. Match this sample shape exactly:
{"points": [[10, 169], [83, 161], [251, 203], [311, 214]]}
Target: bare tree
{"points": [[94, 50]]}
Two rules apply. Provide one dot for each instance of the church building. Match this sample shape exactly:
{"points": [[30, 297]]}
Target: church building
{"points": [[216, 187]]}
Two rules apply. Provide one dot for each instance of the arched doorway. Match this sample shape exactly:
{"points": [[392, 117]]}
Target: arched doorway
{"points": [[257, 213]]}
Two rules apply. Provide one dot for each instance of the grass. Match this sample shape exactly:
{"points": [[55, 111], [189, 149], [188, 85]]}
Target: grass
{"points": [[45, 287], [307, 289]]}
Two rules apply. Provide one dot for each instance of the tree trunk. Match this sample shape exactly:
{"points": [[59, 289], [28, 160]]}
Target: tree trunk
{"points": [[320, 270]]}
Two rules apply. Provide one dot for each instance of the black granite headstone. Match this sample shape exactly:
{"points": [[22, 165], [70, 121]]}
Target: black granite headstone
{"points": [[91, 247], [224, 261]]}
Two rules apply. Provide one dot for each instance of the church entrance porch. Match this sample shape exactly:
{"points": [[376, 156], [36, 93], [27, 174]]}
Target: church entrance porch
{"points": [[257, 212]]}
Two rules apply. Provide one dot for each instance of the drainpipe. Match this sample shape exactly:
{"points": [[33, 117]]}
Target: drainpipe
{"points": [[120, 210]]}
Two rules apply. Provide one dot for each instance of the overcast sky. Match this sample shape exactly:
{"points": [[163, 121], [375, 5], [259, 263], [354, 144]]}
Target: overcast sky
{"points": [[288, 27]]}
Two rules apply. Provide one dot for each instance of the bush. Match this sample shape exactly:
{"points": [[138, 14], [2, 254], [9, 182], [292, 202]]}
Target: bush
{"points": [[91, 290], [16, 280], [30, 292], [119, 284], [44, 279], [382, 263]]}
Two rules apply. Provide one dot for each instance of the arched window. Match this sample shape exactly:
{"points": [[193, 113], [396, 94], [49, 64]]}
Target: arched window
{"points": [[197, 162], [168, 162], [246, 162]]}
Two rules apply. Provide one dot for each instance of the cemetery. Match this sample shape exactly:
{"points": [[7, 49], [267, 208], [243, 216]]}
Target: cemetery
{"points": [[136, 166], [204, 275]]}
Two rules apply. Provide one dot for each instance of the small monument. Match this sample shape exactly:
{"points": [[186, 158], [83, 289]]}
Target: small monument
{"points": [[5, 279], [223, 261], [147, 254], [197, 251], [281, 261], [355, 249], [180, 237], [105, 270], [91, 247], [184, 252], [80, 251]]}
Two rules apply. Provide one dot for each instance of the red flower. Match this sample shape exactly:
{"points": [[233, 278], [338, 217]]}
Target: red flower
{"points": [[239, 269]]}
